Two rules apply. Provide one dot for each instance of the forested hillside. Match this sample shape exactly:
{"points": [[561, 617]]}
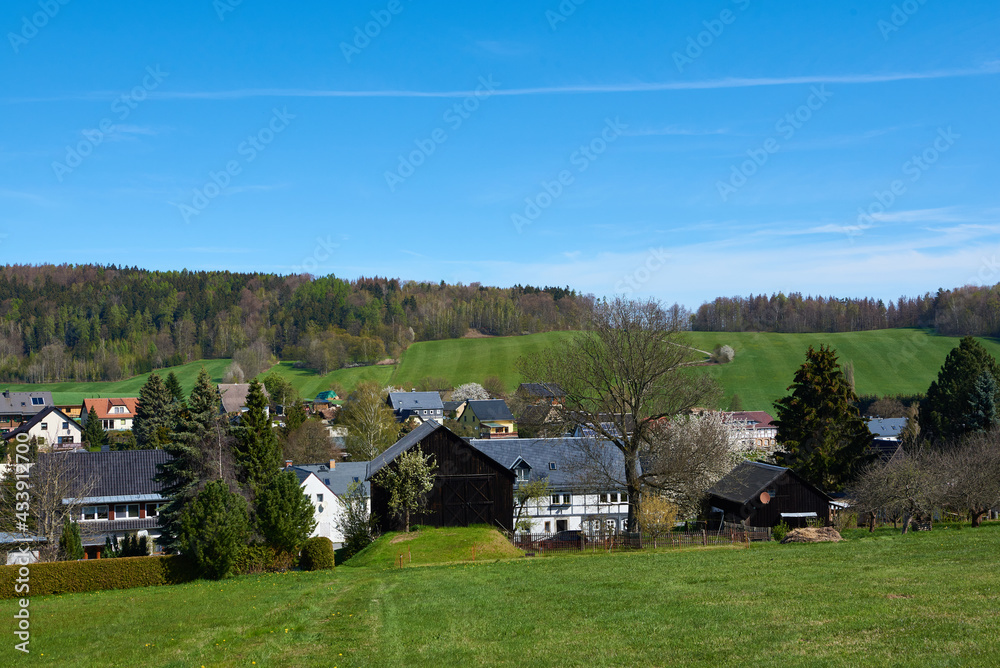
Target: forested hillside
{"points": [[970, 310], [89, 322]]}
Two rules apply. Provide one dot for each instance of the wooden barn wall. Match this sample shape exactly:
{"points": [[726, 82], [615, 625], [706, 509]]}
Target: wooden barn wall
{"points": [[455, 460], [791, 497]]}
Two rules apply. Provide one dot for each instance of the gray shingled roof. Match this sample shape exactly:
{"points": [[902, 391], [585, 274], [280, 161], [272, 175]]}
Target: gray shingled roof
{"points": [[19, 403], [887, 426], [402, 445], [234, 396], [488, 410], [746, 481], [540, 453], [118, 473], [543, 390], [403, 401], [339, 478]]}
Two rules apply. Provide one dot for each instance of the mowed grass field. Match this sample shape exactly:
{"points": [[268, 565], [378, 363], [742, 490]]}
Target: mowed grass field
{"points": [[888, 361], [891, 361], [75, 393], [925, 599]]}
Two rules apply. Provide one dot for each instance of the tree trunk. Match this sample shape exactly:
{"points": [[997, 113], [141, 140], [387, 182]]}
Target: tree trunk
{"points": [[632, 484], [906, 522], [977, 516], [407, 521]]}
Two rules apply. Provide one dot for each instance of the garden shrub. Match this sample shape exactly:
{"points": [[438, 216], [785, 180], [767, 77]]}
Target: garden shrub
{"points": [[61, 577], [262, 559], [317, 554], [780, 530]]}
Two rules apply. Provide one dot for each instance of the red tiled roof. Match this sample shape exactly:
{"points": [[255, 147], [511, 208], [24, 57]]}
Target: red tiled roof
{"points": [[104, 406]]}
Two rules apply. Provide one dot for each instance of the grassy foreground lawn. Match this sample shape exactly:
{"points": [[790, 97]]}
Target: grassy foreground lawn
{"points": [[928, 599]]}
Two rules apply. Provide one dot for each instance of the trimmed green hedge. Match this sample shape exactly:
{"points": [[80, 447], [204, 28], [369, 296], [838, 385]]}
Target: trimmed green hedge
{"points": [[317, 554], [61, 577]]}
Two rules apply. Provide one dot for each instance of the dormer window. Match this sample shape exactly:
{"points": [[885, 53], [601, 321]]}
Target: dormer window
{"points": [[552, 466], [522, 473]]}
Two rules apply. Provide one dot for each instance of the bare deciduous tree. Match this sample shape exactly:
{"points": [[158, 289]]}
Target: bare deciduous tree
{"points": [[904, 487], [57, 491], [621, 376], [969, 475]]}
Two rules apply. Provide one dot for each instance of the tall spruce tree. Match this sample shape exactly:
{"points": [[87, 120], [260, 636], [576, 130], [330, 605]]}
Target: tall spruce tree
{"points": [[257, 447], [70, 544], [213, 530], [154, 416], [200, 451], [945, 412], [821, 434], [285, 516], [981, 414], [174, 387], [93, 434]]}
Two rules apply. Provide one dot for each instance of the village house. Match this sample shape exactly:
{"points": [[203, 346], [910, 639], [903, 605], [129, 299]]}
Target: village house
{"points": [[752, 430], [124, 497], [115, 414], [233, 398], [490, 418], [52, 430], [575, 501], [337, 478], [22, 406], [421, 406]]}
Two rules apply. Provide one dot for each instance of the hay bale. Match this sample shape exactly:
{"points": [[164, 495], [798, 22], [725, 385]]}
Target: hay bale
{"points": [[813, 535]]}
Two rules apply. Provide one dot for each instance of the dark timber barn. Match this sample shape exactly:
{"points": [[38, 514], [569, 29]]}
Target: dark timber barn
{"points": [[763, 495], [471, 488]]}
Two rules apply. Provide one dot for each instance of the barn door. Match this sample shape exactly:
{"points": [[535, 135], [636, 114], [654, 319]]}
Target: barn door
{"points": [[467, 500]]}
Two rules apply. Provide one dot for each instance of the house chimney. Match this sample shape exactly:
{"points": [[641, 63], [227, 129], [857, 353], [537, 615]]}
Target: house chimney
{"points": [[333, 464], [288, 463]]}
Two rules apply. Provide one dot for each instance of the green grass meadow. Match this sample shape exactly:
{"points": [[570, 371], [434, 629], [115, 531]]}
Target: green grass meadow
{"points": [[925, 599], [891, 361]]}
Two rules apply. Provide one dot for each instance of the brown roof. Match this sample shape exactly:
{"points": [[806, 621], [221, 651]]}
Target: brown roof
{"points": [[104, 406], [234, 396]]}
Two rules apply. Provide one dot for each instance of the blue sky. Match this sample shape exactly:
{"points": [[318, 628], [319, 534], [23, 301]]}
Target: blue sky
{"points": [[675, 150]]}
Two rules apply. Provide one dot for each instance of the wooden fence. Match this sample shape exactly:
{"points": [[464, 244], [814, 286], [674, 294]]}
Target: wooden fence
{"points": [[542, 543]]}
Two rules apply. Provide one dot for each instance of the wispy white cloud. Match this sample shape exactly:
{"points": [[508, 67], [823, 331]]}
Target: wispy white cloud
{"points": [[632, 87]]}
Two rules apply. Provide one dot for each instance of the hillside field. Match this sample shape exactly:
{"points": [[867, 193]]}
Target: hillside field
{"points": [[925, 599], [890, 361]]}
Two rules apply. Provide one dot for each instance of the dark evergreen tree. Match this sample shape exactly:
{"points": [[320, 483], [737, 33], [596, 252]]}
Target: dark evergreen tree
{"points": [[981, 414], [154, 416], [945, 412], [295, 415], [93, 434], [174, 387], [821, 434], [70, 544], [200, 451], [285, 516], [214, 529], [111, 548], [257, 448]]}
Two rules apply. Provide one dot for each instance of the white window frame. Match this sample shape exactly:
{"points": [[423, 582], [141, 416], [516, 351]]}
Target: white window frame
{"points": [[567, 499], [155, 508], [127, 515], [37, 401], [96, 512]]}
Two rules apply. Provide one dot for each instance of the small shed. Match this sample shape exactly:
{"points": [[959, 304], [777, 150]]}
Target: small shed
{"points": [[763, 495], [470, 488]]}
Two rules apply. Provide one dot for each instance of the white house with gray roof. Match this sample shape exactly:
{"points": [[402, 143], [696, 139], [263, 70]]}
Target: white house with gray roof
{"points": [[576, 501], [420, 405], [325, 485]]}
